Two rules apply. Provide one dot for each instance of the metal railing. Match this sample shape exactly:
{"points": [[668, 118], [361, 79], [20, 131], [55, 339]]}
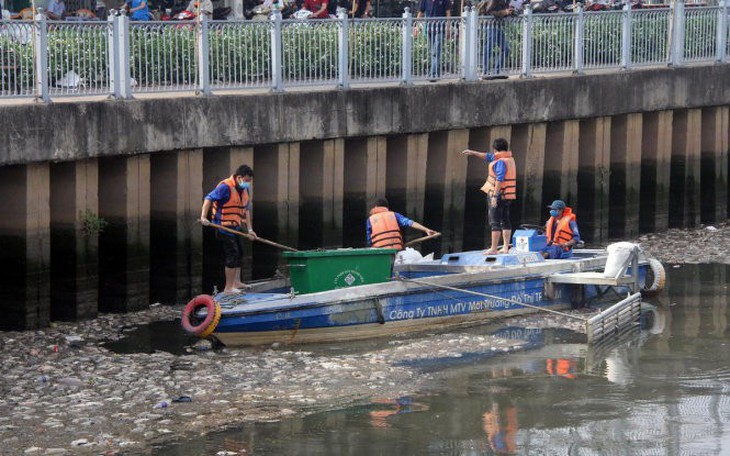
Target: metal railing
{"points": [[43, 58], [375, 51]]}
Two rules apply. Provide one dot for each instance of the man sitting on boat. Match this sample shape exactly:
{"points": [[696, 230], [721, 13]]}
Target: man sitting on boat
{"points": [[231, 203], [561, 231], [383, 227]]}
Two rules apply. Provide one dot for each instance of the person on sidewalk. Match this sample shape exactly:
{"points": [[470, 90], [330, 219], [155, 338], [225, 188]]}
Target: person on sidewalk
{"points": [[137, 10], [231, 204], [436, 31], [561, 231], [494, 37], [56, 9], [383, 227], [501, 190]]}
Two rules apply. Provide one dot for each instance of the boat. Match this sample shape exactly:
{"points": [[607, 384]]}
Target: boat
{"points": [[349, 294]]}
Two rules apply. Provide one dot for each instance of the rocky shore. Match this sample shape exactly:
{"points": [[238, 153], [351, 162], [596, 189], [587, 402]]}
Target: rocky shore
{"points": [[63, 392]]}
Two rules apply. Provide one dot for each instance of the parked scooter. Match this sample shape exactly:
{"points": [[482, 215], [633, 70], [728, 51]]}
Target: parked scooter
{"points": [[263, 11], [302, 14], [635, 4], [184, 15], [570, 7], [546, 6]]}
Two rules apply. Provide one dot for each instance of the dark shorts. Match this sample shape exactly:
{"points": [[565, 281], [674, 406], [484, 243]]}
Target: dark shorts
{"points": [[232, 249], [499, 216]]}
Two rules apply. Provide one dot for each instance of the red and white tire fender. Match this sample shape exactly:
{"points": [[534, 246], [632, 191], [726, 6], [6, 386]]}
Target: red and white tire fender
{"points": [[660, 279], [201, 327]]}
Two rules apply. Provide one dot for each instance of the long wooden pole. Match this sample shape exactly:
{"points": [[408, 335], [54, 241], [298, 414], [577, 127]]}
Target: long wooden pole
{"points": [[421, 239], [252, 238]]}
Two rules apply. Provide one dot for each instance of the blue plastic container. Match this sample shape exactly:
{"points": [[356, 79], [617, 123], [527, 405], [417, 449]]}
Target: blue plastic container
{"points": [[477, 258], [528, 241]]}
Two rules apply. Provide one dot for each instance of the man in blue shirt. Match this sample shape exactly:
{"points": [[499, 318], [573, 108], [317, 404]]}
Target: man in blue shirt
{"points": [[501, 190], [561, 231], [435, 31], [138, 10], [231, 204], [383, 227]]}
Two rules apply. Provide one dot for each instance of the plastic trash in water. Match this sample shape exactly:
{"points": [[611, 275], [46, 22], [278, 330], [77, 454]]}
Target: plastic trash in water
{"points": [[161, 405]]}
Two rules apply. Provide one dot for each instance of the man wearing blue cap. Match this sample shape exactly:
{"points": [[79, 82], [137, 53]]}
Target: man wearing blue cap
{"points": [[561, 231]]}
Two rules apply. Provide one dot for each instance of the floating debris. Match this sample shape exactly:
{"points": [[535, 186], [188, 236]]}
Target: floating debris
{"points": [[706, 244]]}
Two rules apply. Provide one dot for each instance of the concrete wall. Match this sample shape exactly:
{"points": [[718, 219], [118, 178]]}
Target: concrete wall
{"points": [[631, 152], [75, 130]]}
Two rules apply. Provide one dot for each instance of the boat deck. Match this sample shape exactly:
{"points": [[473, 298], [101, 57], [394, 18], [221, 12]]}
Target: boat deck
{"points": [[463, 269]]}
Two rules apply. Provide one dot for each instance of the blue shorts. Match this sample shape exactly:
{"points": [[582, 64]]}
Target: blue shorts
{"points": [[555, 252]]}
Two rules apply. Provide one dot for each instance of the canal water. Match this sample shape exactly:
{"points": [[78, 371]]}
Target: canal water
{"points": [[664, 389]]}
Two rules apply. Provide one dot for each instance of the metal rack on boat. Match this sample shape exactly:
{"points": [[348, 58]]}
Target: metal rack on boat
{"points": [[623, 314]]}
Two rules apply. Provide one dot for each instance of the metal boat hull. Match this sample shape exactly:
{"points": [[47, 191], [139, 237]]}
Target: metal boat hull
{"points": [[397, 307]]}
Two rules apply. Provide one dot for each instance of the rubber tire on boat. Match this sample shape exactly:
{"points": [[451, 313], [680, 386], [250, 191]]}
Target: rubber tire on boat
{"points": [[660, 279], [192, 324]]}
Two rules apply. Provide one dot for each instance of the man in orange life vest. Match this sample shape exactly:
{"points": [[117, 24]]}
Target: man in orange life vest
{"points": [[561, 231], [231, 203], [383, 227], [501, 189]]}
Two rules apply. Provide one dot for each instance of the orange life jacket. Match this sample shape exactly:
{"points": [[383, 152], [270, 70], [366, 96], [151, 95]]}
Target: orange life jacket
{"points": [[508, 191], [385, 232], [233, 213], [563, 233]]}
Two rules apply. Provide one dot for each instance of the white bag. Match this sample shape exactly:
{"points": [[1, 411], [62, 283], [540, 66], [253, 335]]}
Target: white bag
{"points": [[619, 257], [407, 256]]}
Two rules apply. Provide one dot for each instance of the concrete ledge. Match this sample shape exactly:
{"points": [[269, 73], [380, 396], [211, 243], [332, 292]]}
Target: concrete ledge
{"points": [[75, 130]]}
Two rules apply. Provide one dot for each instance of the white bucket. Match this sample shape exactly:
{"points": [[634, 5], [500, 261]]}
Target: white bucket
{"points": [[619, 256]]}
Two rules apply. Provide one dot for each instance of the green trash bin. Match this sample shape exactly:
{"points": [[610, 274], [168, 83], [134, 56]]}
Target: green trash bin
{"points": [[320, 270]]}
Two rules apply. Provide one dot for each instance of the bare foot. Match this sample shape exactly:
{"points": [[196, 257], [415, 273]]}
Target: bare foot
{"points": [[242, 286], [504, 251], [231, 291], [491, 252]]}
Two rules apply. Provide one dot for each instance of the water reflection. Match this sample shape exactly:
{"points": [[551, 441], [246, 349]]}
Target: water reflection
{"points": [[149, 338], [391, 407], [664, 389], [500, 425]]}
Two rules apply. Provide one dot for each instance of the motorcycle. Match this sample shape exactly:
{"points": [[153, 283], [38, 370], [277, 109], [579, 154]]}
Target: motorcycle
{"points": [[263, 12], [546, 6], [302, 14]]}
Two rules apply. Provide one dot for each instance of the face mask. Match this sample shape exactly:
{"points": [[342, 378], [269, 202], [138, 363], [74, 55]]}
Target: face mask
{"points": [[243, 185], [554, 213]]}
